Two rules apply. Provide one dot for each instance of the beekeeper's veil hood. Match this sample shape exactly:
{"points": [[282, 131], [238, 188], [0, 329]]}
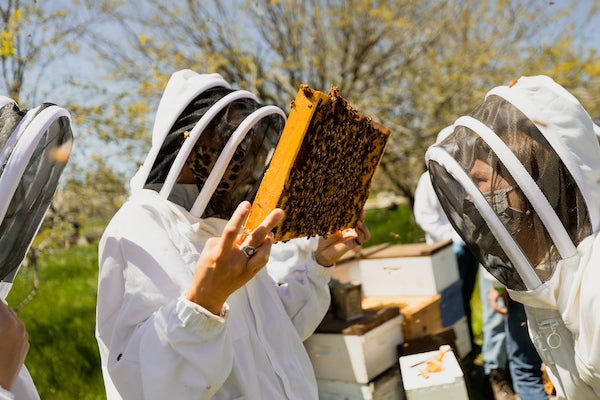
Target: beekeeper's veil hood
{"points": [[34, 148], [519, 180], [226, 138]]}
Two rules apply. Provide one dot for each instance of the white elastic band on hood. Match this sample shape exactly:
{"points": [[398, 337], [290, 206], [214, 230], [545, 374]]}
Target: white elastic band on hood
{"points": [[5, 100], [444, 133], [507, 242], [4, 290], [199, 128], [526, 184], [217, 172]]}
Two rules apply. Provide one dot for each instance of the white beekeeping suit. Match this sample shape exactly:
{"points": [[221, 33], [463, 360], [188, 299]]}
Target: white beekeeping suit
{"points": [[35, 145], [428, 211], [156, 344], [519, 179]]}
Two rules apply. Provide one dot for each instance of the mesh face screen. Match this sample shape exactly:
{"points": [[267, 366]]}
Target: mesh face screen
{"points": [[248, 164], [10, 116], [490, 173], [473, 228], [32, 196]]}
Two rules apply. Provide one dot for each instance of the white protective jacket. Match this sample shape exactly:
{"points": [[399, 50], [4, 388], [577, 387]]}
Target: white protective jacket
{"points": [[155, 344], [539, 138], [23, 388], [430, 216]]}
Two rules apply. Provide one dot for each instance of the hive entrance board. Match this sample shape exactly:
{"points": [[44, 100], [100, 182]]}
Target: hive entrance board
{"points": [[322, 168]]}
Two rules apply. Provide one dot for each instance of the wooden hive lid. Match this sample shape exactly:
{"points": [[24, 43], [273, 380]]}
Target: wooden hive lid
{"points": [[406, 250], [388, 250]]}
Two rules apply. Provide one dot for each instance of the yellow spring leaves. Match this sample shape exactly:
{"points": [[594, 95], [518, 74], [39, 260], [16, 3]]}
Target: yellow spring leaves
{"points": [[7, 43]]}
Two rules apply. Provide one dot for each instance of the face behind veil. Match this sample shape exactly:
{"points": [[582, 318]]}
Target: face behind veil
{"points": [[224, 137], [508, 192]]}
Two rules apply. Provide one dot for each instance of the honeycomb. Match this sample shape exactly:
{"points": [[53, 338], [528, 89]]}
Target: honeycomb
{"points": [[322, 168]]}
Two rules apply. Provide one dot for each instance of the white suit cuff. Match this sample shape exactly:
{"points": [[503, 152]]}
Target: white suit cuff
{"points": [[189, 312], [5, 394], [317, 269]]}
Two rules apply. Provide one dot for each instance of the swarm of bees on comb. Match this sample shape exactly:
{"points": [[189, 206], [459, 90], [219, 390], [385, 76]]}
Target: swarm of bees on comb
{"points": [[322, 169]]}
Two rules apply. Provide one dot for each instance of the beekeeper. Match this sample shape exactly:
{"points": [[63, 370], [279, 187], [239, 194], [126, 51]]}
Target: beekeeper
{"points": [[519, 179], [35, 145], [185, 308]]}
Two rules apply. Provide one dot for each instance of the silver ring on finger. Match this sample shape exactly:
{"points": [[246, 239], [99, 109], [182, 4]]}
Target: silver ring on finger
{"points": [[248, 251]]}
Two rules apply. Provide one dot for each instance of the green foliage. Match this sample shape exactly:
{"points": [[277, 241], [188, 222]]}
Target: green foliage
{"points": [[63, 358], [392, 225], [476, 314]]}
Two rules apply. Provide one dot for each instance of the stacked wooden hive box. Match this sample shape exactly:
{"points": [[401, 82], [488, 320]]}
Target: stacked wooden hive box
{"points": [[390, 302]]}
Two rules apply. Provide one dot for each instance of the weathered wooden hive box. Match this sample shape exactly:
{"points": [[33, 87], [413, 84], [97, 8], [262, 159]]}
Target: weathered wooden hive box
{"points": [[421, 313]]}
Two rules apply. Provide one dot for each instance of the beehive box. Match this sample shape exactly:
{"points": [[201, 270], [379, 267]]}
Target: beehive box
{"points": [[356, 351], [421, 313], [346, 300], [322, 168], [456, 336], [429, 342], [419, 384], [418, 269], [387, 386], [463, 339], [452, 306]]}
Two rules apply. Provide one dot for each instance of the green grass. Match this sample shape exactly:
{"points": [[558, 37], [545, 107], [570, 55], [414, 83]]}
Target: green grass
{"points": [[64, 359]]}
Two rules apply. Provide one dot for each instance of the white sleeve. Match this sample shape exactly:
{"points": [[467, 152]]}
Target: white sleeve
{"points": [[303, 287], [428, 212], [5, 394], [23, 388], [154, 343], [583, 318]]}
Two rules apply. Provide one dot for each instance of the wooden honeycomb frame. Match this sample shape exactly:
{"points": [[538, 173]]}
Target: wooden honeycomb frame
{"points": [[322, 168]]}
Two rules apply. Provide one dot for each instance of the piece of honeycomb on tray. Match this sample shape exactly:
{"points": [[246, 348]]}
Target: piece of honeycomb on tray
{"points": [[322, 168]]}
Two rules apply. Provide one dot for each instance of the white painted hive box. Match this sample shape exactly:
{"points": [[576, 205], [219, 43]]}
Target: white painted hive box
{"points": [[418, 269], [355, 358], [463, 339], [447, 384], [387, 386]]}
